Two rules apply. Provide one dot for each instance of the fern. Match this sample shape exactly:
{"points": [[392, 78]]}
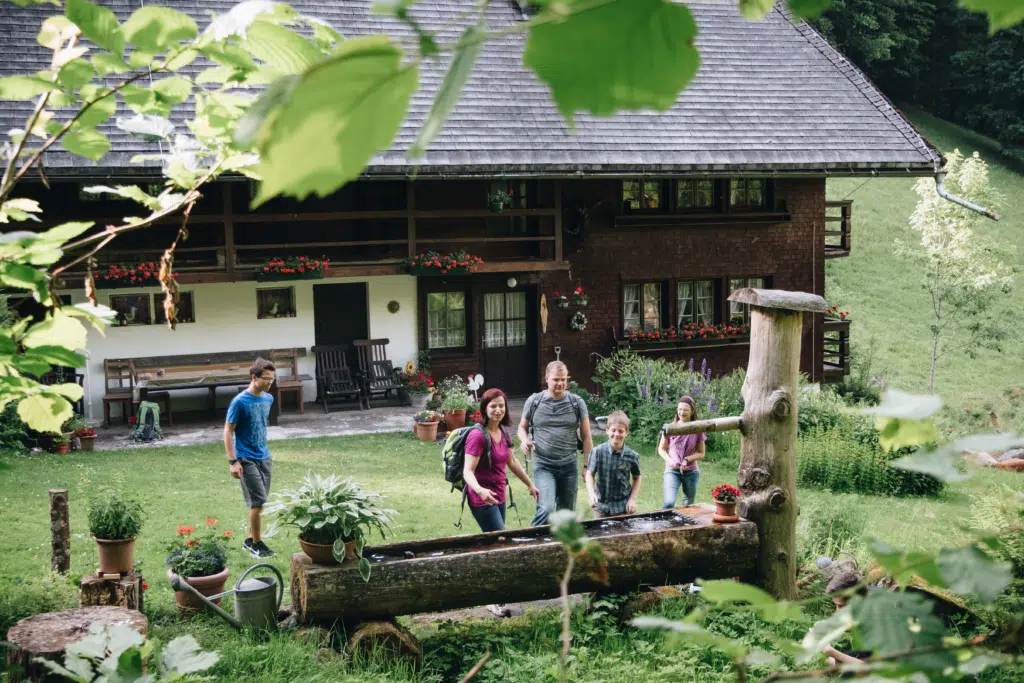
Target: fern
{"points": [[994, 514]]}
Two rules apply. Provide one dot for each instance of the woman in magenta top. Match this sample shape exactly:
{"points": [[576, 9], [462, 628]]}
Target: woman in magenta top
{"points": [[681, 454], [485, 475]]}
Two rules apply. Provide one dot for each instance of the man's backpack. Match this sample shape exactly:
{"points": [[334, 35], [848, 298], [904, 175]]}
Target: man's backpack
{"points": [[574, 401], [147, 423], [453, 458]]}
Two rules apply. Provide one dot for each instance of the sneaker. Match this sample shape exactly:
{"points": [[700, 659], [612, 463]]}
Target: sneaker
{"points": [[259, 549], [247, 545]]}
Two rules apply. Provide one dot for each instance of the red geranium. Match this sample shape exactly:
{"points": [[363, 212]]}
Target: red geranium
{"points": [[724, 493]]}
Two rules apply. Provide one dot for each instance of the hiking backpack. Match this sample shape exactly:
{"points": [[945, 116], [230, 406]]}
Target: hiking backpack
{"points": [[453, 459], [147, 423]]}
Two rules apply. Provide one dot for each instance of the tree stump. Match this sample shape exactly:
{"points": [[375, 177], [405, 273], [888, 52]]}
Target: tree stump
{"points": [[113, 591], [60, 531], [388, 636], [767, 474], [47, 635]]}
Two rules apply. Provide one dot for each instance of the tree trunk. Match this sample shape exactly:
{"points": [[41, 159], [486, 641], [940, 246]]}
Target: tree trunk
{"points": [[387, 636], [60, 531], [935, 346], [520, 565], [47, 635], [767, 474], [124, 591]]}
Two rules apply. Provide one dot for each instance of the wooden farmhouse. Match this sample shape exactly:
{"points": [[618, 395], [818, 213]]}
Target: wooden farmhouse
{"points": [[656, 216]]}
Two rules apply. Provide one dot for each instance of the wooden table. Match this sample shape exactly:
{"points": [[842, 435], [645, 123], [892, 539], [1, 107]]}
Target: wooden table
{"points": [[211, 382]]}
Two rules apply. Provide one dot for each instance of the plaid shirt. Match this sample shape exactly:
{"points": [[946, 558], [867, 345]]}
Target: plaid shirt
{"points": [[613, 470]]}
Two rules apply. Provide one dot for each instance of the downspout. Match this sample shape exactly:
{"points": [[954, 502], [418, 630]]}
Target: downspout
{"points": [[940, 177]]}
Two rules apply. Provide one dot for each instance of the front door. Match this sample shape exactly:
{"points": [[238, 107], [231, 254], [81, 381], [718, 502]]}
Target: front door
{"points": [[340, 314], [510, 341]]}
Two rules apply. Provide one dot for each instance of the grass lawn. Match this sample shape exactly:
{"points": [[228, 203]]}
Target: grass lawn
{"points": [[892, 313], [186, 485]]}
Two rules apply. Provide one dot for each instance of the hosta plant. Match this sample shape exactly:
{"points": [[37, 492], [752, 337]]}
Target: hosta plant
{"points": [[331, 511]]}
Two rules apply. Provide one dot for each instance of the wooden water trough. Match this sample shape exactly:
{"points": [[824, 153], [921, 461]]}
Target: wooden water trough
{"points": [[655, 549]]}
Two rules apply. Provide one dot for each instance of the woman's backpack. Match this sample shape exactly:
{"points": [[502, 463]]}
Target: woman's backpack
{"points": [[453, 458]]}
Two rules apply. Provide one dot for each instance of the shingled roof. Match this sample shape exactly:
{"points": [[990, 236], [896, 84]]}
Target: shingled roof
{"points": [[770, 96]]}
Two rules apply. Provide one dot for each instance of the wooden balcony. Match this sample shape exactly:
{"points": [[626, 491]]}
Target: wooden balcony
{"points": [[838, 214], [837, 351]]}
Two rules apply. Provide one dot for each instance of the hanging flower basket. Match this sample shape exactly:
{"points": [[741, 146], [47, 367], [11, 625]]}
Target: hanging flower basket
{"points": [[433, 263], [140, 275], [578, 297], [293, 268], [561, 300], [578, 322], [499, 200]]}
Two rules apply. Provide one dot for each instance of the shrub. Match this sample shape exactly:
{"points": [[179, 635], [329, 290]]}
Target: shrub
{"points": [[14, 435], [114, 515], [829, 530], [26, 597], [860, 387], [828, 459]]}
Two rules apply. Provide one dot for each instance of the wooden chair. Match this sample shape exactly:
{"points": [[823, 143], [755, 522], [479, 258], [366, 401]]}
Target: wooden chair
{"points": [[163, 398], [334, 378], [376, 373], [287, 360], [118, 387]]}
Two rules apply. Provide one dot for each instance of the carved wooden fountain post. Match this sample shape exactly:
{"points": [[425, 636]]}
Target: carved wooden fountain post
{"points": [[767, 473]]}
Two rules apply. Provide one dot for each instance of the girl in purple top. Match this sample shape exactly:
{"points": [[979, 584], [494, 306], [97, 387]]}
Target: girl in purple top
{"points": [[485, 477], [681, 454]]}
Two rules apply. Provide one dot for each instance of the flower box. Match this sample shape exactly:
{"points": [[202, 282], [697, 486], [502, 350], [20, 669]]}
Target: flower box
{"points": [[433, 263], [692, 334], [293, 268], [116, 276], [279, 277]]}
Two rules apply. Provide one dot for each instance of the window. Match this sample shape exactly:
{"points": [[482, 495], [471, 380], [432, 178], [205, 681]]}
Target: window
{"points": [[641, 306], [695, 302], [739, 314], [748, 193], [504, 319], [695, 195], [185, 312], [640, 195], [446, 320], [277, 302]]}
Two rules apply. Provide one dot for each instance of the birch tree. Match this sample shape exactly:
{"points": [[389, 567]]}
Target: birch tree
{"points": [[963, 274]]}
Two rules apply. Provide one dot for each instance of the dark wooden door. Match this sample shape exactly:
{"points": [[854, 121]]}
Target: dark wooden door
{"points": [[340, 314], [509, 342]]}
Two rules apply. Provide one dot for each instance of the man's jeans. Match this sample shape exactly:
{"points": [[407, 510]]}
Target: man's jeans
{"points": [[670, 487], [557, 485]]}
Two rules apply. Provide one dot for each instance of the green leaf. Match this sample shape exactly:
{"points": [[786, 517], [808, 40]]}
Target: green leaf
{"points": [[459, 71], [106, 64], [625, 54], [755, 9], [693, 633], [58, 329], [98, 24], [45, 412], [56, 355], [895, 433], [340, 114], [156, 28], [24, 87], [75, 74], [808, 9], [900, 404], [895, 621], [725, 591], [280, 48], [141, 59], [137, 98], [182, 59], [1001, 13], [364, 568], [100, 110], [941, 464], [20, 209], [825, 632], [129, 664], [56, 32], [255, 118], [182, 656], [229, 55], [216, 74], [149, 128], [21, 276], [969, 571], [905, 565], [88, 143], [174, 90], [71, 391], [60, 234]]}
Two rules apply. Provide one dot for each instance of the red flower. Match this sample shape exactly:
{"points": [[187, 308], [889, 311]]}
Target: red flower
{"points": [[228, 534], [145, 586], [192, 543], [131, 420], [184, 530], [210, 521]]}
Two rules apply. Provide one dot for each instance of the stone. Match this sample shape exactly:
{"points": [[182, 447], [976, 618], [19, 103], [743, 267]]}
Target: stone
{"points": [[1012, 454], [981, 459]]}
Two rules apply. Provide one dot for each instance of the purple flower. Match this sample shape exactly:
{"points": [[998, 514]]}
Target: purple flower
{"points": [[707, 375], [650, 370], [713, 405], [703, 366], [643, 392], [691, 365]]}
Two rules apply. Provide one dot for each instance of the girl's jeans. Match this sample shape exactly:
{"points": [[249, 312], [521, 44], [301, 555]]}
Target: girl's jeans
{"points": [[670, 487], [489, 517]]}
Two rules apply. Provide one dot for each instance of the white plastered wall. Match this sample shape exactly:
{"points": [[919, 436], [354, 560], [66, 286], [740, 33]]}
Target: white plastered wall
{"points": [[226, 321]]}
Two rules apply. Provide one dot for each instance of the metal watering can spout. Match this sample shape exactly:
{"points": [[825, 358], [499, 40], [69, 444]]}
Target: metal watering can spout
{"points": [[254, 599]]}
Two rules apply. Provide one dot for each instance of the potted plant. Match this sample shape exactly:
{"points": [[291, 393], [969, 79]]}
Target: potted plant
{"points": [[419, 384], [725, 503], [433, 263], [115, 519], [201, 560], [578, 297], [87, 437], [833, 313], [138, 275], [60, 444], [561, 300], [455, 407], [293, 268], [334, 517], [499, 199], [426, 425]]}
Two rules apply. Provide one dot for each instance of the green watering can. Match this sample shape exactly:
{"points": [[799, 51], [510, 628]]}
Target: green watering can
{"points": [[255, 604]]}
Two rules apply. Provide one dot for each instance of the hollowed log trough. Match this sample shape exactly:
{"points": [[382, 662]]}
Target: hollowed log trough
{"points": [[517, 565]]}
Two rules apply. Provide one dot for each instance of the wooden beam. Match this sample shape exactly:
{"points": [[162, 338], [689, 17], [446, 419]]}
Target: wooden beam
{"points": [[229, 232], [410, 222], [558, 220], [302, 245], [522, 266], [487, 240], [719, 424]]}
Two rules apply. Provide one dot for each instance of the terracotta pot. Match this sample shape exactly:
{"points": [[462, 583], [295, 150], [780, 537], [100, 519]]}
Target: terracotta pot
{"points": [[207, 585], [61, 448], [455, 419], [116, 556], [87, 442], [324, 554], [725, 513], [426, 431]]}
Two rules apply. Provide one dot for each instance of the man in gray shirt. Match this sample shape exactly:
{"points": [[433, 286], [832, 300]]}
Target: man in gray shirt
{"points": [[549, 427]]}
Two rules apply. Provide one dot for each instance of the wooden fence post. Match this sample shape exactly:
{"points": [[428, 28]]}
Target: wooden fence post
{"points": [[767, 473], [60, 531]]}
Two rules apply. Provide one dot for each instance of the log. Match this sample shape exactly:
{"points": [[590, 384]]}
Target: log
{"points": [[60, 531], [116, 591], [47, 635], [387, 636], [767, 474], [719, 424], [652, 549]]}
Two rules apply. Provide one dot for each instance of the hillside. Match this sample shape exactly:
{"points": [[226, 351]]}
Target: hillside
{"points": [[891, 312]]}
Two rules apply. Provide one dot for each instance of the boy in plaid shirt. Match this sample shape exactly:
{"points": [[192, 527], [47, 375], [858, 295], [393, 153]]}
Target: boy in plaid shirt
{"points": [[614, 462]]}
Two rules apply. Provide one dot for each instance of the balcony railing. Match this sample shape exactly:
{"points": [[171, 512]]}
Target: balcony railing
{"points": [[838, 214], [836, 345]]}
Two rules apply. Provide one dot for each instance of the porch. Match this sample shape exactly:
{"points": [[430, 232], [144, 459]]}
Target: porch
{"points": [[838, 223], [836, 345]]}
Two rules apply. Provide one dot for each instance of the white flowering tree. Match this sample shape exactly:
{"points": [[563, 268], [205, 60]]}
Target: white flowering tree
{"points": [[963, 274]]}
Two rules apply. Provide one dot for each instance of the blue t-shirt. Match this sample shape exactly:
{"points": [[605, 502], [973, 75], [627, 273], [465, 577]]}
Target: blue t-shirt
{"points": [[249, 414]]}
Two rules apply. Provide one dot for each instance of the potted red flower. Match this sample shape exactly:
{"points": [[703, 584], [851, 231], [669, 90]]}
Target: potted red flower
{"points": [[87, 436], [725, 503], [138, 275], [579, 297], [426, 425], [561, 300], [432, 263], [293, 268], [201, 560]]}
